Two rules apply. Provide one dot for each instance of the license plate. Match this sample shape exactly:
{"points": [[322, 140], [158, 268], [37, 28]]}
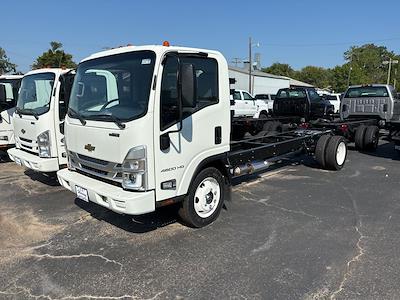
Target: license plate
{"points": [[18, 161], [82, 193]]}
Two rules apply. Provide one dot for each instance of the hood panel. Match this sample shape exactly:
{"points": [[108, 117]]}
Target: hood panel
{"points": [[101, 141]]}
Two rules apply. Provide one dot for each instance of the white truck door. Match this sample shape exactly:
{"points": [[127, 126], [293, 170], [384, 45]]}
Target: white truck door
{"points": [[197, 139], [239, 107], [250, 104]]}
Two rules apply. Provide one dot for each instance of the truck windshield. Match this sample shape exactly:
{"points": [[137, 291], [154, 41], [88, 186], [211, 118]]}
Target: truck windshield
{"points": [[11, 88], [117, 86], [291, 94], [35, 93], [367, 91]]}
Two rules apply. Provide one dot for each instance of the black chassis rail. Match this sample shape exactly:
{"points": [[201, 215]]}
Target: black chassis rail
{"points": [[346, 128], [261, 149]]}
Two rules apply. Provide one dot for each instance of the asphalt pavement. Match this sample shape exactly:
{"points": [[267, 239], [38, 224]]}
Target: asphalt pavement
{"points": [[295, 232]]}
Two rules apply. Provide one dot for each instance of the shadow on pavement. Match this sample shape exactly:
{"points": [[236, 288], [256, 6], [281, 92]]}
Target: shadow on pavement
{"points": [[4, 157], [134, 224], [49, 179], [385, 151]]}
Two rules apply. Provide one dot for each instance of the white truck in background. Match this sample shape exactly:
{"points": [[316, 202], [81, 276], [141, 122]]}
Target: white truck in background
{"points": [[149, 126], [38, 120], [245, 105], [9, 86]]}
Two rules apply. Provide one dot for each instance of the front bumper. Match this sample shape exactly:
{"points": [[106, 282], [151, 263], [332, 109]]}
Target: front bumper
{"points": [[6, 138], [107, 195], [33, 162]]}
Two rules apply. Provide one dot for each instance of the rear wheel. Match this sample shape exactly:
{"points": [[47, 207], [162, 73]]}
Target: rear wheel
{"points": [[336, 153], [263, 115], [204, 201], [371, 138], [359, 137], [320, 150]]}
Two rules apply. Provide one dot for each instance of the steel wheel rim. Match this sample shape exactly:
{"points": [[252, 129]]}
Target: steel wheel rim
{"points": [[207, 197], [341, 152]]}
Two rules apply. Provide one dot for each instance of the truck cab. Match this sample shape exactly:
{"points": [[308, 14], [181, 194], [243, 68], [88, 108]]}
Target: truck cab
{"points": [[38, 120], [9, 86], [369, 101], [302, 102], [245, 105]]}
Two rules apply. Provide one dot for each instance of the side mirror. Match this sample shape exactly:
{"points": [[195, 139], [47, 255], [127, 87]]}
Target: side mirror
{"points": [[3, 96], [188, 84], [165, 141]]}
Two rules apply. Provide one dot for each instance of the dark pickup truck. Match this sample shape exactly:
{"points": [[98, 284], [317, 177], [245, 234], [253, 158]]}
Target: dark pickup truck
{"points": [[304, 102]]}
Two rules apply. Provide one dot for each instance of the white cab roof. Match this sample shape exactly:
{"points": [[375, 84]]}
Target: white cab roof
{"points": [[158, 49], [11, 76], [48, 70]]}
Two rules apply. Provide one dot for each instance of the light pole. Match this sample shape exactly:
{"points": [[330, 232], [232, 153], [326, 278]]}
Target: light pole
{"points": [[390, 62], [251, 62]]}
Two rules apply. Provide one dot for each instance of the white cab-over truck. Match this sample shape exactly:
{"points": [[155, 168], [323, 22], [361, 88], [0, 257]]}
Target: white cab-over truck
{"points": [[245, 105], [38, 120], [9, 86], [149, 126]]}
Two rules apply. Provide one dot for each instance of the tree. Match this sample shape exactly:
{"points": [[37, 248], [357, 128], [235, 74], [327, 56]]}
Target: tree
{"points": [[55, 57], [280, 69], [367, 63], [317, 76], [5, 65]]}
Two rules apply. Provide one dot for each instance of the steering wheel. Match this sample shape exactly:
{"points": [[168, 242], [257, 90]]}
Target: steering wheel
{"points": [[108, 103]]}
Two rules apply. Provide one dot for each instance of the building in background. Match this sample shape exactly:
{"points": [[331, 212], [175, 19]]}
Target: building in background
{"points": [[262, 83]]}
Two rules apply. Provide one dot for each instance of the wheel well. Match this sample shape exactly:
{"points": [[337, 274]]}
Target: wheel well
{"points": [[263, 112]]}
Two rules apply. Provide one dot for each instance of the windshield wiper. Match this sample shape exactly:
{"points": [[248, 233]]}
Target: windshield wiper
{"points": [[116, 120], [77, 115], [27, 111]]}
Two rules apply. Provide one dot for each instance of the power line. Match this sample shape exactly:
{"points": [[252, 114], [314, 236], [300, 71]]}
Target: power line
{"points": [[332, 44]]}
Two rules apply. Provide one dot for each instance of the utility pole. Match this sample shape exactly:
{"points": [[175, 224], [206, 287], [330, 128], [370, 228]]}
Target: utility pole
{"points": [[390, 62], [236, 61], [250, 65], [350, 69]]}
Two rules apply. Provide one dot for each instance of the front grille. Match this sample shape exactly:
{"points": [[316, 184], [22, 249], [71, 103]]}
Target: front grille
{"points": [[28, 145], [92, 159], [25, 140], [104, 173], [100, 169]]}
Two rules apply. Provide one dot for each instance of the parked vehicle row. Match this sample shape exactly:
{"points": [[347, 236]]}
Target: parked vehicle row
{"points": [[140, 127], [9, 86], [147, 127]]}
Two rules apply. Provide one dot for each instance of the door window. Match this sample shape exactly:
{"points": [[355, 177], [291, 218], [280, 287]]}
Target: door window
{"points": [[206, 72], [246, 96]]}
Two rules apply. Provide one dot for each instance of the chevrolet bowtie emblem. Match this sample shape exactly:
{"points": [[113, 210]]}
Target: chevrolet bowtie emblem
{"points": [[89, 147], [23, 131]]}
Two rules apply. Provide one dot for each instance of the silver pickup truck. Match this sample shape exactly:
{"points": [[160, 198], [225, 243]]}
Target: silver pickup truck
{"points": [[369, 101]]}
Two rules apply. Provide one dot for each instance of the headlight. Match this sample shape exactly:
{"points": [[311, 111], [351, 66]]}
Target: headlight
{"points": [[43, 142], [134, 170]]}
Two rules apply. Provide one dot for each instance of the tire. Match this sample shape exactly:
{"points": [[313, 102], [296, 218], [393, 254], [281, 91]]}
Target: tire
{"points": [[263, 115], [238, 133], [359, 137], [272, 126], [267, 126], [371, 138], [336, 153], [200, 208], [320, 150]]}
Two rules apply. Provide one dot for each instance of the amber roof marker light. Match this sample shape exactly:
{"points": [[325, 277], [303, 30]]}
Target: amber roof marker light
{"points": [[165, 44]]}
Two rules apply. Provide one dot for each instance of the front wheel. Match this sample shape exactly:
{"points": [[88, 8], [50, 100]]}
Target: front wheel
{"points": [[204, 201]]}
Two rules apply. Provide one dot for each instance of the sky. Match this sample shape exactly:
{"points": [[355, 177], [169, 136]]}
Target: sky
{"points": [[300, 33]]}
